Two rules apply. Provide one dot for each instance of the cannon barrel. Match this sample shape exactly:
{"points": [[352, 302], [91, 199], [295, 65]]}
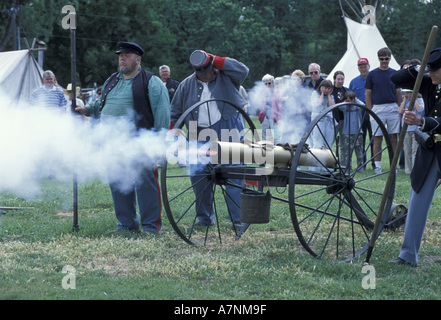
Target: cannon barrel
{"points": [[265, 152]]}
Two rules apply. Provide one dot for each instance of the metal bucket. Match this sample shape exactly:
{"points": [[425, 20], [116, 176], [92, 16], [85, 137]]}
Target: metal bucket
{"points": [[255, 207]]}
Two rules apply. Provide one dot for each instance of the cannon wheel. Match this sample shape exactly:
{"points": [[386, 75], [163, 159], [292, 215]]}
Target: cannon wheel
{"points": [[179, 199], [335, 216]]}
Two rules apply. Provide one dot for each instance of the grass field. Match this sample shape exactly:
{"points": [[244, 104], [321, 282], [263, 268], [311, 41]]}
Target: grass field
{"points": [[42, 258], [266, 263]]}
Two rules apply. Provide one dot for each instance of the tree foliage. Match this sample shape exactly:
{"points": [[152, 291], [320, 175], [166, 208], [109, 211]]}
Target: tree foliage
{"points": [[274, 37]]}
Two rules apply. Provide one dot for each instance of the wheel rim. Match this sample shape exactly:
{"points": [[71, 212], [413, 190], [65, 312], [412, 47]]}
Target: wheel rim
{"points": [[334, 211], [178, 182]]}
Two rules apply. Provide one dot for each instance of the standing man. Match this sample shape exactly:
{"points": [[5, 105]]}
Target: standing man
{"points": [[315, 72], [358, 85], [172, 85], [138, 99], [271, 109], [383, 97], [427, 168], [48, 95], [52, 99], [214, 77]]}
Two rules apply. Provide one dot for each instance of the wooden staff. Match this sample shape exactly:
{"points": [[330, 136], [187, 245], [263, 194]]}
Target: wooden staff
{"points": [[16, 208], [75, 227], [391, 175]]}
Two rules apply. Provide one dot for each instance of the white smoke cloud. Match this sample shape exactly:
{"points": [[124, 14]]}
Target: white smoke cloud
{"points": [[296, 109], [36, 142]]}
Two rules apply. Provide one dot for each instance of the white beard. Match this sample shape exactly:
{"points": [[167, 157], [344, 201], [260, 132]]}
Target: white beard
{"points": [[48, 86]]}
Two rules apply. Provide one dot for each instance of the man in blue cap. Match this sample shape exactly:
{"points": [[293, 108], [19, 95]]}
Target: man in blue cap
{"points": [[214, 77], [138, 99], [427, 167]]}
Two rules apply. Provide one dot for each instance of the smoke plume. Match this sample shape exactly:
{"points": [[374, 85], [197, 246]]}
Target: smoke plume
{"points": [[37, 143]]}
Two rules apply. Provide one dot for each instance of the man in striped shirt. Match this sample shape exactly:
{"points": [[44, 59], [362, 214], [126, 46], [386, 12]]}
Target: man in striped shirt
{"points": [[48, 95]]}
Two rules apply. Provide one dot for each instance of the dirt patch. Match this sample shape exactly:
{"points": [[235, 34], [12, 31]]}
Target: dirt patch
{"points": [[118, 266], [65, 214]]}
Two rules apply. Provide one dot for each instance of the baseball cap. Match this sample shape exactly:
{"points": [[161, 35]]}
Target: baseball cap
{"points": [[362, 61]]}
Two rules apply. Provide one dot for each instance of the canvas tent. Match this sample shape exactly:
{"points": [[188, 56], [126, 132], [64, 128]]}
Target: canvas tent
{"points": [[364, 40], [20, 74]]}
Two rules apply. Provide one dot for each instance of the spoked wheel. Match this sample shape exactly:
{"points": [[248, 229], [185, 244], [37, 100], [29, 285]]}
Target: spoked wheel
{"points": [[333, 209], [201, 205]]}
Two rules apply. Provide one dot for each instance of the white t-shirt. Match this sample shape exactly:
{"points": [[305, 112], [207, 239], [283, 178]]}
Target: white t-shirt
{"points": [[78, 101], [208, 112]]}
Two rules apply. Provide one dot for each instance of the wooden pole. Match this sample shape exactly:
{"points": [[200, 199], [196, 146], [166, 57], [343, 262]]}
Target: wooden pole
{"points": [[69, 22], [391, 175], [74, 103], [76, 226]]}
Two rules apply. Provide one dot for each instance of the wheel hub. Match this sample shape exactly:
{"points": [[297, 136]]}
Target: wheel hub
{"points": [[346, 183]]}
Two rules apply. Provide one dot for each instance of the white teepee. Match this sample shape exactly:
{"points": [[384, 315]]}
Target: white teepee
{"points": [[364, 41], [20, 74]]}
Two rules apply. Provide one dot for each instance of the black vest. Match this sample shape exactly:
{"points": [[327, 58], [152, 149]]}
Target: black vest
{"points": [[143, 111]]}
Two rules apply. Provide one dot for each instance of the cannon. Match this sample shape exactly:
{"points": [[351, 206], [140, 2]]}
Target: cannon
{"points": [[332, 205]]}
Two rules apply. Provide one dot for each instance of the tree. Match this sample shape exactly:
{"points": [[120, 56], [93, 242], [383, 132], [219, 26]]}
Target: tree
{"points": [[408, 25], [11, 29], [30, 16], [101, 25], [274, 37]]}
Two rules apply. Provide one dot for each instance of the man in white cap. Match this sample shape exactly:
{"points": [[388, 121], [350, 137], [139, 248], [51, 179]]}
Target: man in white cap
{"points": [[214, 77]]}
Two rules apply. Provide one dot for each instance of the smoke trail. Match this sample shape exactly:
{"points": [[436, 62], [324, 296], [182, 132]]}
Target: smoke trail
{"points": [[36, 142], [296, 106]]}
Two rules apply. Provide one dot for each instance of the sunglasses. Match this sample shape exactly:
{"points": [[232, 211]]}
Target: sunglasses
{"points": [[313, 72], [268, 83], [384, 59]]}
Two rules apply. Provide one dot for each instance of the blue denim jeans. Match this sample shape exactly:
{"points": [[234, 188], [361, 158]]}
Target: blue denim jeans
{"points": [[203, 187], [145, 190]]}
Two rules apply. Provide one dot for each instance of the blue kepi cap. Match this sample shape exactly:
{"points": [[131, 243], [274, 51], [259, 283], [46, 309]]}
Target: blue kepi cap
{"points": [[130, 47]]}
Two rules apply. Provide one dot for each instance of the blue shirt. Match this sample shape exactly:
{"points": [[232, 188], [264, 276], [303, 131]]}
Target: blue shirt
{"points": [[358, 85], [383, 89], [352, 119], [53, 98]]}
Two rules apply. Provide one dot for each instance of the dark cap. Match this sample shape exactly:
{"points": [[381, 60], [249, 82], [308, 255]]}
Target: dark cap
{"points": [[129, 47], [201, 62], [434, 60]]}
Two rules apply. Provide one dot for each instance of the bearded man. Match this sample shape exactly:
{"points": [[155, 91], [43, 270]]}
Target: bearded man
{"points": [[132, 100]]}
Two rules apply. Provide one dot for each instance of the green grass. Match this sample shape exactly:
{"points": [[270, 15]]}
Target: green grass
{"points": [[266, 263]]}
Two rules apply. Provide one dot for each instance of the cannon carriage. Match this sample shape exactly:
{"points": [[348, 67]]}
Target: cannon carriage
{"points": [[332, 205]]}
